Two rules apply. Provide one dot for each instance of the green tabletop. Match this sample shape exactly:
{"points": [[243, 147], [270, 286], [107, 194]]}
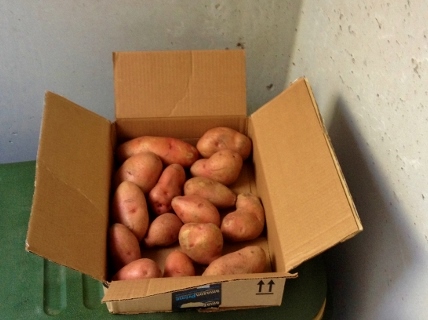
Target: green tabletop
{"points": [[34, 288]]}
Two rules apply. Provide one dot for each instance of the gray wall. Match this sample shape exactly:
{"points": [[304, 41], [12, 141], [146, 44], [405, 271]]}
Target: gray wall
{"points": [[66, 47], [367, 63]]}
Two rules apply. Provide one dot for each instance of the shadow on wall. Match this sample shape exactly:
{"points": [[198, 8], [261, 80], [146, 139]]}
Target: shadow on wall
{"points": [[364, 270]]}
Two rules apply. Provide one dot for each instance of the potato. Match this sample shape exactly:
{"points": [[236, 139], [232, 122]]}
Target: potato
{"points": [[143, 268], [163, 231], [144, 169], [224, 166], [250, 259], [170, 150], [202, 242], [170, 185], [129, 207], [194, 208], [123, 246], [246, 222], [178, 264], [217, 193], [221, 138]]}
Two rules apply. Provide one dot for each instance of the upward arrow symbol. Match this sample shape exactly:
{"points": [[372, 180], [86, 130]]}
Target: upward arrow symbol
{"points": [[260, 284], [271, 283]]}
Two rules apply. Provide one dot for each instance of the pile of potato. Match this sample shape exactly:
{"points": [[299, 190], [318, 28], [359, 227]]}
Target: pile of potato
{"points": [[169, 192]]}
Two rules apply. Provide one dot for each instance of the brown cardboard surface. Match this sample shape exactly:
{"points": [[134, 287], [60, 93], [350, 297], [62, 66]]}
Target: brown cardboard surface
{"points": [[179, 83], [304, 193], [69, 216], [293, 168]]}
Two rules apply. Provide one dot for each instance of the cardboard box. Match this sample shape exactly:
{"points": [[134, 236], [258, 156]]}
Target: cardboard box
{"points": [[293, 169]]}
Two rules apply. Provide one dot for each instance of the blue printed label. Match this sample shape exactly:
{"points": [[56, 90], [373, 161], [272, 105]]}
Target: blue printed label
{"points": [[208, 296]]}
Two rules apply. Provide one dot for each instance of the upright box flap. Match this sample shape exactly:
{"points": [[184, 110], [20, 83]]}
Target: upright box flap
{"points": [[68, 222], [309, 198], [179, 83]]}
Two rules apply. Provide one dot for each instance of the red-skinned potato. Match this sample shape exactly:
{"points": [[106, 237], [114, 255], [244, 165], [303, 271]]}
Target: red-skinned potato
{"points": [[178, 264], [143, 268], [143, 169], [217, 193], [202, 242], [123, 246], [170, 185], [163, 231], [224, 166], [129, 207], [194, 208], [246, 222], [221, 138], [170, 150], [250, 259]]}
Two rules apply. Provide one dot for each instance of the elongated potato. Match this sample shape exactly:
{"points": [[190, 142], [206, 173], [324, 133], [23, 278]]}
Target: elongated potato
{"points": [[123, 246], [217, 193], [170, 185], [144, 169], [178, 264], [221, 138], [247, 221], [202, 242], [194, 208], [129, 207], [163, 231], [224, 166], [250, 259], [143, 268], [170, 150]]}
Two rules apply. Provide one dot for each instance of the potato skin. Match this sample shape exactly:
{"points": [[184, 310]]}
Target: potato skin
{"points": [[144, 169], [129, 207], [221, 138], [223, 166], [250, 259], [123, 246], [178, 264], [217, 193], [170, 150], [143, 268], [246, 222], [194, 208], [169, 185], [163, 231], [202, 242]]}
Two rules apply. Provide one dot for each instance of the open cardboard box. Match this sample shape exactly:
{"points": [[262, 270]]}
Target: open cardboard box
{"points": [[293, 169]]}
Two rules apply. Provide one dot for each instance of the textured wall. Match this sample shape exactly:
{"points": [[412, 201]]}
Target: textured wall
{"points": [[66, 46], [367, 62]]}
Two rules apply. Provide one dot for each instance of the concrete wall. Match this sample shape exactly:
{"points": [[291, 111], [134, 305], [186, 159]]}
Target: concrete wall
{"points": [[66, 47], [366, 61]]}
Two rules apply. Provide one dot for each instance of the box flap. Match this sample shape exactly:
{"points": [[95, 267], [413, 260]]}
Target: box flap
{"points": [[179, 83], [302, 179], [68, 222]]}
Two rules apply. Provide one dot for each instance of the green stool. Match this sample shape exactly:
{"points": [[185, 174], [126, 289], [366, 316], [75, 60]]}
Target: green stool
{"points": [[34, 288]]}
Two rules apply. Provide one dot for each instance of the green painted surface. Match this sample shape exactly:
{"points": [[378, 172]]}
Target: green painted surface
{"points": [[34, 288]]}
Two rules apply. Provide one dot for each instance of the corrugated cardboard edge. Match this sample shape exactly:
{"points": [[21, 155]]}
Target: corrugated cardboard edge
{"points": [[298, 101], [235, 293], [61, 189], [139, 288], [336, 163]]}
